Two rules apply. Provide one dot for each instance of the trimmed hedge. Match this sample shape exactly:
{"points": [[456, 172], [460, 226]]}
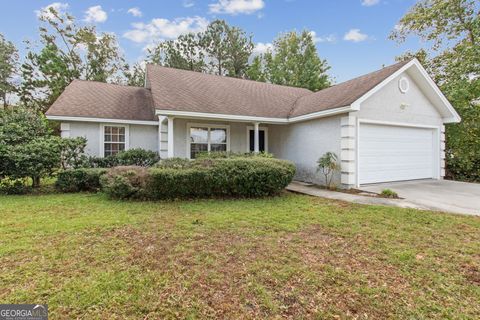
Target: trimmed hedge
{"points": [[234, 177], [130, 157], [129, 182], [75, 180]]}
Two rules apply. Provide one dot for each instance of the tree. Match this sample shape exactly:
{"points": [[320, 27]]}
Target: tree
{"points": [[28, 148], [294, 61], [239, 50], [66, 52], [184, 52], [135, 75], [8, 66], [451, 28], [221, 49], [214, 42], [255, 70]]}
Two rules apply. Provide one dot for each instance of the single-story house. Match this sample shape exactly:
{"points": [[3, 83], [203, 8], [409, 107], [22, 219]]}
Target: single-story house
{"points": [[387, 125]]}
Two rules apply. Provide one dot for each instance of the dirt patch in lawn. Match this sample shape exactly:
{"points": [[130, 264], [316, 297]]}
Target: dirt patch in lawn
{"points": [[472, 274], [309, 272]]}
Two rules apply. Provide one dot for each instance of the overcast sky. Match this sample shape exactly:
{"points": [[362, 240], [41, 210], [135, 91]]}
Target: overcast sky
{"points": [[351, 34]]}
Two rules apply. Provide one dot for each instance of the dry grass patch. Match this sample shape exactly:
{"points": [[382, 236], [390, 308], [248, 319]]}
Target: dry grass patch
{"points": [[287, 257]]}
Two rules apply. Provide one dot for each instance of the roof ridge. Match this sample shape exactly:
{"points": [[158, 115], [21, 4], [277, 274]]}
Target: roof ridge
{"points": [[110, 84], [369, 73], [232, 78]]}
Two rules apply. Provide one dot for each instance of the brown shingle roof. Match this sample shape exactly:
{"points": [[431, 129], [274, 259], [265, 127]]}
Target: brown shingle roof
{"points": [[343, 94], [181, 90], [101, 100]]}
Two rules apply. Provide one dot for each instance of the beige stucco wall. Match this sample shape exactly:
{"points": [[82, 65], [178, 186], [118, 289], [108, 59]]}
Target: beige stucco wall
{"points": [[140, 136], [386, 105], [305, 142]]}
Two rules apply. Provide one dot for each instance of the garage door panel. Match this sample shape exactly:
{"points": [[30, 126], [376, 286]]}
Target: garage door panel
{"points": [[393, 153]]}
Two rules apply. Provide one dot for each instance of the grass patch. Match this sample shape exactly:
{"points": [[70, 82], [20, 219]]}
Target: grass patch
{"points": [[290, 256]]}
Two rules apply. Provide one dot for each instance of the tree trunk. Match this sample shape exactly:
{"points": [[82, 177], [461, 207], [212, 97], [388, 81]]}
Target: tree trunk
{"points": [[4, 98], [35, 182]]}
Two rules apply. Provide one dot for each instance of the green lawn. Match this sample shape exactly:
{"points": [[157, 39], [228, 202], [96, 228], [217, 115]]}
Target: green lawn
{"points": [[291, 256]]}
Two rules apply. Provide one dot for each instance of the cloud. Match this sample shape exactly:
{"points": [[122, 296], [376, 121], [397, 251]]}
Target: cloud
{"points": [[135, 12], [95, 14], [188, 3], [57, 6], [329, 38], [261, 48], [235, 7], [355, 35], [369, 3], [161, 29]]}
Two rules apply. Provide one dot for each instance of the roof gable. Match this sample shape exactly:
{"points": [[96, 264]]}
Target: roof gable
{"points": [[424, 82]]}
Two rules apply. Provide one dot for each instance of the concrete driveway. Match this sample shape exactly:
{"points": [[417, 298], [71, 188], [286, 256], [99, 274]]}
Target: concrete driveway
{"points": [[438, 195]]}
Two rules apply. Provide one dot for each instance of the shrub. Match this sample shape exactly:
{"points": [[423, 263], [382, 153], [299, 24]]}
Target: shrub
{"points": [[137, 157], [387, 193], [236, 177], [125, 182], [252, 177], [75, 180], [105, 162], [328, 164], [15, 186], [72, 153], [131, 157]]}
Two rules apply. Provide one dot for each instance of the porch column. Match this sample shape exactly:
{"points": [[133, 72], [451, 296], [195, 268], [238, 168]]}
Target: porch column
{"points": [[170, 137], [256, 139]]}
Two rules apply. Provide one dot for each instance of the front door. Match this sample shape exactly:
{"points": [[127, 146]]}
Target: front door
{"points": [[261, 140]]}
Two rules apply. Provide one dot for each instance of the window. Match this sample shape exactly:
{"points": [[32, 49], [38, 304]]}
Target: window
{"points": [[114, 139], [207, 138]]}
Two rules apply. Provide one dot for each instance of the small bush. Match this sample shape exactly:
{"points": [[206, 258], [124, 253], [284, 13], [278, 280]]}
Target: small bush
{"points": [[128, 182], [131, 157], [328, 164], [236, 177], [76, 180], [105, 162], [137, 157], [387, 193], [14, 186]]}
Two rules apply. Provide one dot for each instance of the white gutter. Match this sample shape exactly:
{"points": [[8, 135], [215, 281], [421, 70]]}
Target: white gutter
{"points": [[104, 120], [239, 118]]}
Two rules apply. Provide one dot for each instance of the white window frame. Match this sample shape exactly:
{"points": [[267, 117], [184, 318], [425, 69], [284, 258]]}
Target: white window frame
{"points": [[259, 129], [209, 126], [102, 136]]}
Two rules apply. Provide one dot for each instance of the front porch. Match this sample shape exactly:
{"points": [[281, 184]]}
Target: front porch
{"points": [[303, 143], [186, 137]]}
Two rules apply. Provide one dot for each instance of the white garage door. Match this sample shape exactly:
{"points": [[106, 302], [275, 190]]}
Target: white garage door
{"points": [[394, 153]]}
